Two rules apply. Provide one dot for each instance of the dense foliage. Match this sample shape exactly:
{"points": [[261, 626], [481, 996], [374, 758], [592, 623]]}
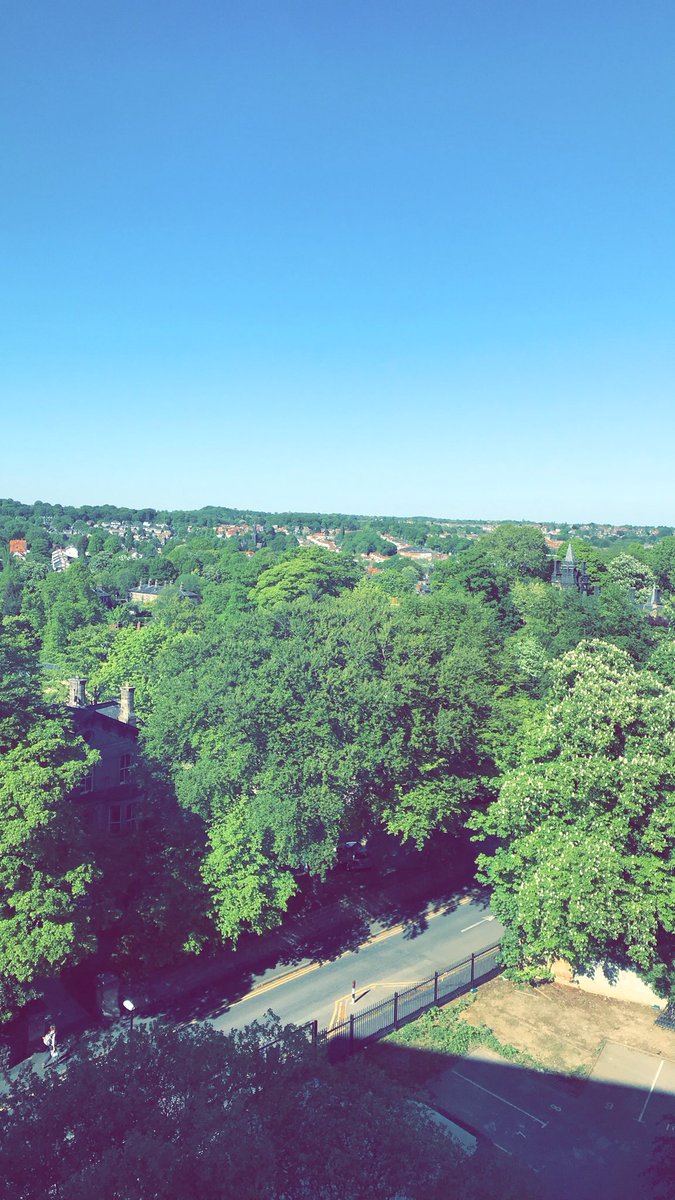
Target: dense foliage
{"points": [[45, 868], [193, 1113], [292, 696], [587, 819]]}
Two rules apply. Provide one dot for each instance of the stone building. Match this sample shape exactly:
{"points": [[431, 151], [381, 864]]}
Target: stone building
{"points": [[110, 795], [571, 575]]}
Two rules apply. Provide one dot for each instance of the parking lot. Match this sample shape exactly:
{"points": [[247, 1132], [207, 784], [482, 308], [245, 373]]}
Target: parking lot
{"points": [[587, 1138]]}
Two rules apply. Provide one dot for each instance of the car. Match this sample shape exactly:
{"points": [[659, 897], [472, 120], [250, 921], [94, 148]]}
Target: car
{"points": [[353, 856]]}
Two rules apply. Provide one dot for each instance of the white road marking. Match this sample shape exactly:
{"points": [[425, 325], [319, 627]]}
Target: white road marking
{"points": [[516, 1106], [509, 1152], [649, 1093], [476, 924]]}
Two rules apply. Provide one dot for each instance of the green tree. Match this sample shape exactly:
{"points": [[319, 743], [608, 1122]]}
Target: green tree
{"points": [[45, 871], [96, 542], [69, 601], [662, 560], [586, 821], [629, 572], [203, 1116], [287, 728], [313, 573]]}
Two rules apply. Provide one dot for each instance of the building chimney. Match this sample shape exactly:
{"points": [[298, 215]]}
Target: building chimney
{"points": [[127, 705], [76, 695]]}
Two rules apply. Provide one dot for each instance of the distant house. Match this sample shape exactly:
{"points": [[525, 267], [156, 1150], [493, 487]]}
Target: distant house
{"points": [[18, 547], [146, 593], [416, 552], [61, 559], [109, 796], [323, 542], [194, 597]]}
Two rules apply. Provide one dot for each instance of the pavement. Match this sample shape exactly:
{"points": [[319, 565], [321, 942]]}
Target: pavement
{"points": [[587, 1138], [389, 917], [389, 960]]}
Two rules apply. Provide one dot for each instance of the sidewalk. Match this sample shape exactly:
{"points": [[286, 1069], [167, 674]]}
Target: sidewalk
{"points": [[356, 906], [365, 905]]}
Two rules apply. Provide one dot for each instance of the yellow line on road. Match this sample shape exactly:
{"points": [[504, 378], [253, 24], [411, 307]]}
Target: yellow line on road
{"points": [[394, 983], [335, 1015], [275, 983], [387, 933], [299, 972]]}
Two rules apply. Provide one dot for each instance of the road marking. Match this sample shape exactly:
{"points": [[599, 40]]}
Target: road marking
{"points": [[387, 933], [649, 1093], [476, 924], [339, 1016], [396, 983], [299, 972], [275, 983], [509, 1152], [516, 1106], [340, 1006]]}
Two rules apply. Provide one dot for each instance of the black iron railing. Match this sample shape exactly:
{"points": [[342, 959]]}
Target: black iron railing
{"points": [[365, 1024]]}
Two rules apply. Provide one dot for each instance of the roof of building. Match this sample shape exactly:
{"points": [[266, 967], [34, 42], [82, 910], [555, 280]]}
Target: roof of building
{"points": [[105, 711], [146, 589]]}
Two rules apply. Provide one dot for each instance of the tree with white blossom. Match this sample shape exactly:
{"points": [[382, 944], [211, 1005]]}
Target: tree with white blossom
{"points": [[586, 821]]}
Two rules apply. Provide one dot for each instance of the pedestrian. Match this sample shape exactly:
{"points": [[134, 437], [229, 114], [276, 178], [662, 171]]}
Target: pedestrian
{"points": [[49, 1040]]}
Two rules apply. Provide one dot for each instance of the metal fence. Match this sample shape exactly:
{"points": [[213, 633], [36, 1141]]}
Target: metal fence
{"points": [[364, 1024]]}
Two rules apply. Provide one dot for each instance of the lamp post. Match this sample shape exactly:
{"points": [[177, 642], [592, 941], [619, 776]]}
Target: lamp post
{"points": [[131, 1009]]}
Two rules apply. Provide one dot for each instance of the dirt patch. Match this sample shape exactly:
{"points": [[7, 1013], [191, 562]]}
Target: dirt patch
{"points": [[562, 1028]]}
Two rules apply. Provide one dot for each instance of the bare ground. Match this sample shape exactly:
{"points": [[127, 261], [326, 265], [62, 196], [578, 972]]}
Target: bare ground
{"points": [[562, 1027]]}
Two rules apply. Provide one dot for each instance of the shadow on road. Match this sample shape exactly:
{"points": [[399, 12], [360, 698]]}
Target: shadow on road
{"points": [[325, 920]]}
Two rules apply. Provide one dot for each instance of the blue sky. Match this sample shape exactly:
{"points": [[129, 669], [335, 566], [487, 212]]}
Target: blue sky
{"points": [[386, 257]]}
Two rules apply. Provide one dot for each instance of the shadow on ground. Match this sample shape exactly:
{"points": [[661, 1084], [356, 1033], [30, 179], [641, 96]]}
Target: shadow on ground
{"points": [[586, 1138], [325, 921]]}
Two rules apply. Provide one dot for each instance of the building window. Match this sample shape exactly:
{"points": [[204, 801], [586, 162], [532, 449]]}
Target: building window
{"points": [[87, 784], [125, 768], [122, 818]]}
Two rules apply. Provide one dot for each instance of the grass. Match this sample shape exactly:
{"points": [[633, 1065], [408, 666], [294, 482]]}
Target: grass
{"points": [[421, 1049]]}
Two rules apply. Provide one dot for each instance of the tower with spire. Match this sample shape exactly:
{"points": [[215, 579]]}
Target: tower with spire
{"points": [[571, 575]]}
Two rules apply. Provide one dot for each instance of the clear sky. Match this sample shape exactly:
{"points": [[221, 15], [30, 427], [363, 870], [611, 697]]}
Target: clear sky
{"points": [[359, 255]]}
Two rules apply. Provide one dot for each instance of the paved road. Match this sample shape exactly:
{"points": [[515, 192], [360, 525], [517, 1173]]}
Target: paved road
{"points": [[392, 960]]}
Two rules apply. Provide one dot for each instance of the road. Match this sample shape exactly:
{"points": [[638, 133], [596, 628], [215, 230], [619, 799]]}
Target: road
{"points": [[391, 960]]}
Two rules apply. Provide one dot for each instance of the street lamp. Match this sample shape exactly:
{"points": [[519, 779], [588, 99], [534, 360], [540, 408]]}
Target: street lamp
{"points": [[131, 1009]]}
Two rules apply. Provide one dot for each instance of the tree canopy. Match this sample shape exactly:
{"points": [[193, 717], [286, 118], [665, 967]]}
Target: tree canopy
{"points": [[290, 697], [45, 868], [586, 820], [255, 1115]]}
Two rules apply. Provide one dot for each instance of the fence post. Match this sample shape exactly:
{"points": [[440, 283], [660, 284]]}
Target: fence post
{"points": [[395, 1010], [351, 1033], [435, 987], [315, 1033], [473, 967]]}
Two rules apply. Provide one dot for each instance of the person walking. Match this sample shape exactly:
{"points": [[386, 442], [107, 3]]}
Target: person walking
{"points": [[49, 1040]]}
